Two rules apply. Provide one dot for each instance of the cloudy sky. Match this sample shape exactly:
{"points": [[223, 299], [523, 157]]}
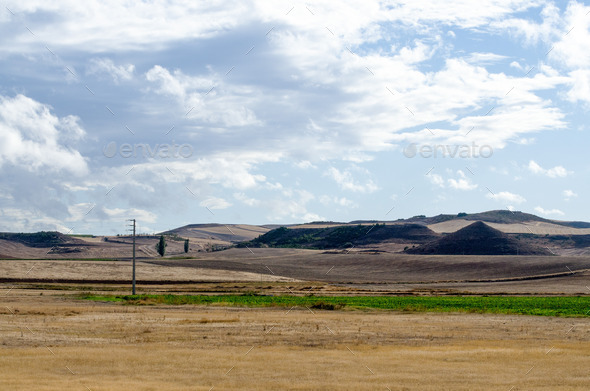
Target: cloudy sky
{"points": [[178, 112]]}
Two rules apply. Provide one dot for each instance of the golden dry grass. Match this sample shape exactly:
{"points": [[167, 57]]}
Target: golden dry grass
{"points": [[115, 347]]}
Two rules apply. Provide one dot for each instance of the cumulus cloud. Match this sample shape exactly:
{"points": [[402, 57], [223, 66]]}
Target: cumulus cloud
{"points": [[506, 197], [346, 181], [569, 194], [555, 172], [246, 200], [215, 203], [461, 183], [206, 99], [122, 26], [305, 96], [291, 206], [106, 66], [548, 212], [436, 179], [338, 201], [485, 58], [122, 214], [35, 139], [25, 219]]}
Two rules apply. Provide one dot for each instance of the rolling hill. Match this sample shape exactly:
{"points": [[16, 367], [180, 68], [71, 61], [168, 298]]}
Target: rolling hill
{"points": [[343, 236], [524, 233], [220, 232], [478, 239]]}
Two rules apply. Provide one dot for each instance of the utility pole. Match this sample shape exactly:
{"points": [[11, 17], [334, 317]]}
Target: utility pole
{"points": [[133, 275]]}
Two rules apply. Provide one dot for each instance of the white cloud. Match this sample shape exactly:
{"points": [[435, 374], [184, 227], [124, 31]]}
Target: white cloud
{"points": [[100, 66], [305, 164], [246, 200], [462, 183], [555, 172], [531, 31], [206, 99], [80, 210], [506, 197], [569, 194], [417, 54], [262, 112], [338, 201], [25, 219], [215, 203], [177, 183], [436, 179], [548, 212], [33, 138], [485, 58], [99, 26], [571, 48], [346, 181], [122, 214], [580, 86], [292, 207]]}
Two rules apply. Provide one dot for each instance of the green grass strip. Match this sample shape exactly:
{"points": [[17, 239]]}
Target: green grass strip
{"points": [[570, 306]]}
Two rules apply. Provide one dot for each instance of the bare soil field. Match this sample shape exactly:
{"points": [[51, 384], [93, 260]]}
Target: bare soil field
{"points": [[57, 342], [334, 271], [403, 272]]}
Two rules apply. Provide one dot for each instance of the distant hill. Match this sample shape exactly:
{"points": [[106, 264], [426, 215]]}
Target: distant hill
{"points": [[40, 239], [501, 216], [478, 239], [230, 233], [573, 224], [343, 236]]}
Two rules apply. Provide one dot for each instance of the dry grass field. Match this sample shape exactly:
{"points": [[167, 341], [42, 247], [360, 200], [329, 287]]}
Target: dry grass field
{"points": [[52, 339], [118, 271], [57, 342]]}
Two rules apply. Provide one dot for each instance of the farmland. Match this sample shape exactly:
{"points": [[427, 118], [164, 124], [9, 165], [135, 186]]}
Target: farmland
{"points": [[312, 318], [59, 340], [544, 306]]}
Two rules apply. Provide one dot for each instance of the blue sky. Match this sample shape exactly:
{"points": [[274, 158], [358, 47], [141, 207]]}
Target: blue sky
{"points": [[179, 112]]}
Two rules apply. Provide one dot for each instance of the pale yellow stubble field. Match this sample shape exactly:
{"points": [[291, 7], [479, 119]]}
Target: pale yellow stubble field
{"points": [[57, 342]]}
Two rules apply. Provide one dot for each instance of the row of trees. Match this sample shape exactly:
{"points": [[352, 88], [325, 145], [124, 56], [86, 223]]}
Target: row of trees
{"points": [[161, 246]]}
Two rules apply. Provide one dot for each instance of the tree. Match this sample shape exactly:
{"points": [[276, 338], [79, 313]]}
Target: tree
{"points": [[186, 245], [161, 246]]}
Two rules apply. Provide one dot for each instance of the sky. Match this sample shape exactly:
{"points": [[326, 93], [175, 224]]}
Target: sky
{"points": [[277, 112]]}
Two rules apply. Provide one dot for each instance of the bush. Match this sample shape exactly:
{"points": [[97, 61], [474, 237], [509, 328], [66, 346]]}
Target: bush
{"points": [[322, 305]]}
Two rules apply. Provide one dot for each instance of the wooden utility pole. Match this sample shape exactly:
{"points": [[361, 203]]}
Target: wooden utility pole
{"points": [[133, 274]]}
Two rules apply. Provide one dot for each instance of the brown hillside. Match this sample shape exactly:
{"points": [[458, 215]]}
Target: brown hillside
{"points": [[478, 239]]}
